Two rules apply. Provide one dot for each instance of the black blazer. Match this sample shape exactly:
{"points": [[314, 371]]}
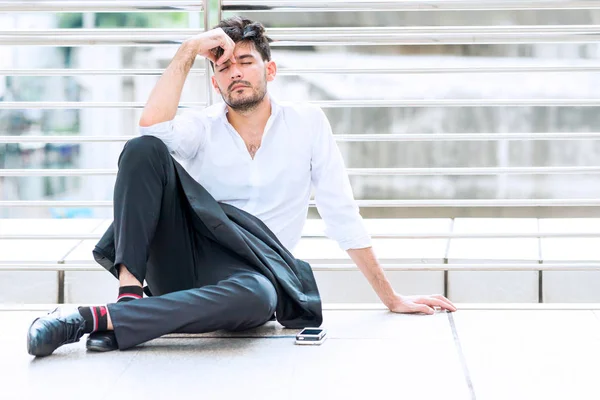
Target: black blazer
{"points": [[299, 303]]}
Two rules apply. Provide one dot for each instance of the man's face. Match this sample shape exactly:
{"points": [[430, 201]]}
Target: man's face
{"points": [[243, 85]]}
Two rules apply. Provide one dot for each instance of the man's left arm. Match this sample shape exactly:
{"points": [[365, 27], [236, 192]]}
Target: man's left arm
{"points": [[336, 205], [367, 263]]}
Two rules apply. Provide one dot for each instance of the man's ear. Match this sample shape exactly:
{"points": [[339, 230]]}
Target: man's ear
{"points": [[271, 70], [214, 83]]}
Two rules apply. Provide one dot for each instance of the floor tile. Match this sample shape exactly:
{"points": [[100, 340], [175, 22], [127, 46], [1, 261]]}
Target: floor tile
{"points": [[364, 347], [531, 354], [67, 374]]}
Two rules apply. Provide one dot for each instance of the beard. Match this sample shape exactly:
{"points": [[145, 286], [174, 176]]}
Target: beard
{"points": [[248, 100]]}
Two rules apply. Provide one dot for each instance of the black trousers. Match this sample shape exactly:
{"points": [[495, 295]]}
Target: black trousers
{"points": [[197, 285]]}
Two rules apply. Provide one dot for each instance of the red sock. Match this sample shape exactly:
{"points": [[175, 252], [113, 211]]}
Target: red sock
{"points": [[128, 293], [96, 318]]}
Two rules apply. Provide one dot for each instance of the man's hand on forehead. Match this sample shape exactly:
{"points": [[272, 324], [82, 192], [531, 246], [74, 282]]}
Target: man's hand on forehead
{"points": [[209, 44]]}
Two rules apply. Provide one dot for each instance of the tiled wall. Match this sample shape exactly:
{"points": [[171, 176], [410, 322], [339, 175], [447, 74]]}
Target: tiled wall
{"points": [[350, 286]]}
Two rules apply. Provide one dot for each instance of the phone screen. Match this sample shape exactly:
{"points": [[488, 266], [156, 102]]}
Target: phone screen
{"points": [[311, 331]]}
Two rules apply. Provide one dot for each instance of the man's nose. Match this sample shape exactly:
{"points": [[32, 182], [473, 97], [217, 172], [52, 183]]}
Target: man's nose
{"points": [[235, 72]]}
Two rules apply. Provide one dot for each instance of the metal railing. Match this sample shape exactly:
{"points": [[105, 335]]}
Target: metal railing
{"points": [[101, 6], [416, 103], [328, 265], [287, 37], [467, 171], [386, 137], [294, 37], [360, 203], [287, 71], [400, 5], [351, 171], [291, 5], [430, 235]]}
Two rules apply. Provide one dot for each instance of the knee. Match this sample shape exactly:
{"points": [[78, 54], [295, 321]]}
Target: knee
{"points": [[257, 293], [143, 148]]}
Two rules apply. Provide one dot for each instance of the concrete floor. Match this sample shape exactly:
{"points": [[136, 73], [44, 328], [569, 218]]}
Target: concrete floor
{"points": [[370, 354]]}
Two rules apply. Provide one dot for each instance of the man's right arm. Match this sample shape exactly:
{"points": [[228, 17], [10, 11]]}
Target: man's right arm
{"points": [[164, 98]]}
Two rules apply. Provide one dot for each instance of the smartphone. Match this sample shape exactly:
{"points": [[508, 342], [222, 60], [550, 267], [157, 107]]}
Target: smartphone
{"points": [[314, 336]]}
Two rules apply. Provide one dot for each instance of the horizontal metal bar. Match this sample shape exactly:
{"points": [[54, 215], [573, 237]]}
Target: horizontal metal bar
{"points": [[351, 171], [57, 172], [346, 37], [55, 203], [439, 235], [22, 105], [470, 171], [390, 31], [312, 33], [65, 139], [361, 203], [99, 6], [458, 103], [304, 71], [440, 70], [80, 72], [77, 236], [466, 136], [467, 267], [479, 203], [78, 37], [425, 35], [422, 35], [50, 267], [385, 137], [30, 267], [404, 5]]}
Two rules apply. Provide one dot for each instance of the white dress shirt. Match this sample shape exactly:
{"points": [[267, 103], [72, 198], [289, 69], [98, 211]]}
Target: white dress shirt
{"points": [[297, 150]]}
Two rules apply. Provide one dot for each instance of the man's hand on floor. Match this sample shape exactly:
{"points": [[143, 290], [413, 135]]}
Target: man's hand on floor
{"points": [[420, 304]]}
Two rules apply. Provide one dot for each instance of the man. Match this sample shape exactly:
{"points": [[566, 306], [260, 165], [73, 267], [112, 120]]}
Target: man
{"points": [[212, 239]]}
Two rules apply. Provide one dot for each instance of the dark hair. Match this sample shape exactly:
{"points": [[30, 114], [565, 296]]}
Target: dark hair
{"points": [[241, 29]]}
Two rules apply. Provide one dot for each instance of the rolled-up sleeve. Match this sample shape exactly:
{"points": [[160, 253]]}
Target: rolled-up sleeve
{"points": [[333, 193], [184, 135]]}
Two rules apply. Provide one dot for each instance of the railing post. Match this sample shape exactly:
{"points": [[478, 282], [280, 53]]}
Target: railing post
{"points": [[219, 10], [209, 91]]}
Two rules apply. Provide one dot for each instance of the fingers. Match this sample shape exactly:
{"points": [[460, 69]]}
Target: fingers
{"points": [[425, 309], [439, 296], [447, 302], [210, 42], [212, 57], [228, 46], [436, 301], [227, 55], [422, 304]]}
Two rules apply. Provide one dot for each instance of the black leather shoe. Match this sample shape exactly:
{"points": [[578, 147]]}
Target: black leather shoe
{"points": [[102, 341], [48, 333]]}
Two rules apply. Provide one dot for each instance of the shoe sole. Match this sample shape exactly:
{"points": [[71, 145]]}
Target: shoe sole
{"points": [[98, 348]]}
